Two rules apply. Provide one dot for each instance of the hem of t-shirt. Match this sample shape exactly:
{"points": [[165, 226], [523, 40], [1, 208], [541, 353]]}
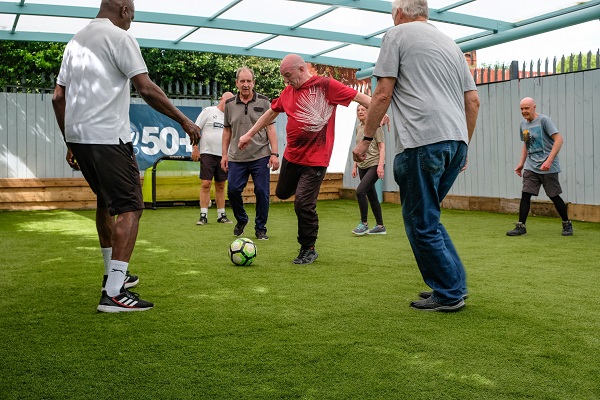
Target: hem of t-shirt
{"points": [[95, 141], [136, 72]]}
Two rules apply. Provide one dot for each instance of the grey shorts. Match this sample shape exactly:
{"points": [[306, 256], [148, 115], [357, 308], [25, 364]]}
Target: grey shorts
{"points": [[532, 182], [112, 172]]}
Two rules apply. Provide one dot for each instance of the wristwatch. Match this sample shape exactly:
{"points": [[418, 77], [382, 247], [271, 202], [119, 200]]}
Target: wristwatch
{"points": [[368, 139], [275, 154]]}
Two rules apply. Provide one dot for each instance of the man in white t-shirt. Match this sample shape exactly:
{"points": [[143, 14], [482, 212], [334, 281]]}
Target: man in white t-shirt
{"points": [[209, 152], [91, 103]]}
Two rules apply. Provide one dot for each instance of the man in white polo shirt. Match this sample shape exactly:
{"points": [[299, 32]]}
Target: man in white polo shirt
{"points": [[91, 104]]}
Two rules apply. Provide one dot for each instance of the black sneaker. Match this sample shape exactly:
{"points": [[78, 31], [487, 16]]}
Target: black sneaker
{"points": [[125, 301], [427, 294], [518, 231], [203, 220], [262, 236], [239, 229], [224, 220], [430, 305], [567, 228], [307, 255], [130, 280]]}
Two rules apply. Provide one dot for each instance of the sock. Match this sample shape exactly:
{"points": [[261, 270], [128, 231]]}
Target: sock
{"points": [[116, 277], [106, 255], [204, 211], [220, 212]]}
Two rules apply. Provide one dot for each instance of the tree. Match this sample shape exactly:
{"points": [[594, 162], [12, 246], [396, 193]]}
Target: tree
{"points": [[565, 63]]}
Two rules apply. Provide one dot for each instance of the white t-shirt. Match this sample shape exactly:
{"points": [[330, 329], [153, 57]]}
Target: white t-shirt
{"points": [[97, 65], [432, 76], [210, 121]]}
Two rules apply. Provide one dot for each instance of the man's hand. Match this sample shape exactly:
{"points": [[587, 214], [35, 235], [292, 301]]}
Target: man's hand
{"points": [[244, 141], [71, 160], [360, 151], [273, 162], [519, 170], [195, 153], [224, 161], [192, 130], [546, 165]]}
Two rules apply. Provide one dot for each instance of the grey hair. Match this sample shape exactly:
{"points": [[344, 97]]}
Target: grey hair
{"points": [[412, 9], [240, 69]]}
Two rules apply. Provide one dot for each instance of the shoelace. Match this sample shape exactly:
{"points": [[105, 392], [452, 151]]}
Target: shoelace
{"points": [[303, 253]]}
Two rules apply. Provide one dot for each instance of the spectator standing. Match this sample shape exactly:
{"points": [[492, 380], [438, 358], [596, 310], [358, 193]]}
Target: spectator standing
{"points": [[209, 152], [369, 171]]}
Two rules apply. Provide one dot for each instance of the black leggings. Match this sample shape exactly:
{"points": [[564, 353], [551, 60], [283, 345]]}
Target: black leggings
{"points": [[366, 189], [525, 205]]}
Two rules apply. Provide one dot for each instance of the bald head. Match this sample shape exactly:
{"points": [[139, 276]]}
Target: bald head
{"points": [[119, 12], [528, 109], [226, 96], [294, 71]]}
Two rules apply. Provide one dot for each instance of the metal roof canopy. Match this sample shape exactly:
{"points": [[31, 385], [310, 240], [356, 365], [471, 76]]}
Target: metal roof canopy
{"points": [[332, 32]]}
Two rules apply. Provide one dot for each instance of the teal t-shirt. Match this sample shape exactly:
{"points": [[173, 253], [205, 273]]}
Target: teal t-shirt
{"points": [[537, 136]]}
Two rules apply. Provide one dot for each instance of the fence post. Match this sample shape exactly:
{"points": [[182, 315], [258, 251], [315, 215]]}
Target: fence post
{"points": [[514, 70]]}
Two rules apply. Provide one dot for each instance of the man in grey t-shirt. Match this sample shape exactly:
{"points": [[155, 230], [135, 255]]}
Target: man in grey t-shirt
{"points": [[241, 113], [434, 107], [539, 165]]}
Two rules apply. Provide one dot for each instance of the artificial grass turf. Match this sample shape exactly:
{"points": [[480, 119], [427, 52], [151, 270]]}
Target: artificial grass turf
{"points": [[338, 329]]}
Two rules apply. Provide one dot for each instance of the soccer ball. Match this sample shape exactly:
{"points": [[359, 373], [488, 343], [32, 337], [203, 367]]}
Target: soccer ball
{"points": [[242, 251]]}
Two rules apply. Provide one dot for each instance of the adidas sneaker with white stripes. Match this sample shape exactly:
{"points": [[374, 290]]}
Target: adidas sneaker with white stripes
{"points": [[125, 301]]}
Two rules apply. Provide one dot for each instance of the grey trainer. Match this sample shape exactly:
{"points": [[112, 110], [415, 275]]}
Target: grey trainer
{"points": [[567, 228], [518, 231]]}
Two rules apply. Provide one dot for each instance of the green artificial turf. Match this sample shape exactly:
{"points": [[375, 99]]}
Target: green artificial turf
{"points": [[340, 328]]}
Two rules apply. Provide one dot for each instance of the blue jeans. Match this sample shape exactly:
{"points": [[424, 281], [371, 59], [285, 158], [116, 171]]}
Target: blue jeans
{"points": [[238, 178], [425, 175]]}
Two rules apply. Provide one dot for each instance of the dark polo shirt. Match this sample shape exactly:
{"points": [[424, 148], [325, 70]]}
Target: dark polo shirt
{"points": [[240, 117]]}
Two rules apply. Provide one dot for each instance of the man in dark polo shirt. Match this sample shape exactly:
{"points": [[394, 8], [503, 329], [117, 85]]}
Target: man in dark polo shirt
{"points": [[241, 112]]}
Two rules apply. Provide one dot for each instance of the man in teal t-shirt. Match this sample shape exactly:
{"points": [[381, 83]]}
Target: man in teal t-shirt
{"points": [[539, 165]]}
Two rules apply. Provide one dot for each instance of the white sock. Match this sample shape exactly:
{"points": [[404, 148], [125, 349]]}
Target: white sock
{"points": [[106, 255], [116, 277], [204, 211], [220, 212]]}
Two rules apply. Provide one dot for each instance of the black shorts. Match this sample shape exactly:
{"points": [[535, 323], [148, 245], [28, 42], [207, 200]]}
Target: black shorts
{"points": [[532, 182], [210, 167], [112, 172]]}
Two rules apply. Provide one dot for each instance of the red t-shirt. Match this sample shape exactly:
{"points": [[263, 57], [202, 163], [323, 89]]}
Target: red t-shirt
{"points": [[311, 119]]}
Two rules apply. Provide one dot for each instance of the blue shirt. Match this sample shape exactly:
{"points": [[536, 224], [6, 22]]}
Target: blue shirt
{"points": [[537, 136]]}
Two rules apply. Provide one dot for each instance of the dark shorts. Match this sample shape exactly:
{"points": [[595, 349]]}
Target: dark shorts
{"points": [[112, 172], [532, 182], [210, 167]]}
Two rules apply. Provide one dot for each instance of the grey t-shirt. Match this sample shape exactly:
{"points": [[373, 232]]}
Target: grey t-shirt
{"points": [[432, 76], [240, 117], [537, 136]]}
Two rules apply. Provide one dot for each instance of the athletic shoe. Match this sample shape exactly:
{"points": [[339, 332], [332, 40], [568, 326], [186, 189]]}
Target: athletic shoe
{"points": [[130, 280], [262, 236], [125, 301], [427, 294], [567, 228], [239, 229], [519, 230], [377, 230], [224, 220], [430, 305], [361, 229], [307, 255], [203, 220]]}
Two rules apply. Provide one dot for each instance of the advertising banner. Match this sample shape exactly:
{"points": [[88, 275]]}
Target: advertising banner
{"points": [[155, 135]]}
